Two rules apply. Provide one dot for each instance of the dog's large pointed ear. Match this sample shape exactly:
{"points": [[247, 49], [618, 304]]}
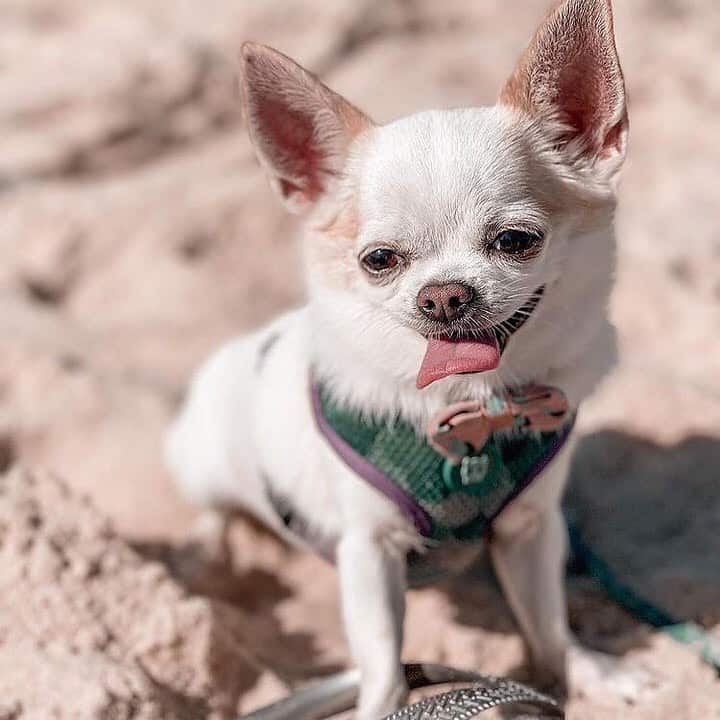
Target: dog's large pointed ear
{"points": [[300, 128], [571, 72]]}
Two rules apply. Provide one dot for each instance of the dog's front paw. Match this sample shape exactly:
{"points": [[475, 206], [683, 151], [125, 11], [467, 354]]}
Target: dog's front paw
{"points": [[602, 678], [376, 707]]}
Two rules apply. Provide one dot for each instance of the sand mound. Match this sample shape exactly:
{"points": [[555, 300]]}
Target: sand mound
{"points": [[88, 629]]}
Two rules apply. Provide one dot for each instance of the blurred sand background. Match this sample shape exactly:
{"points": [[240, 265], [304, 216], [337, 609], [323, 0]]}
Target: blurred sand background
{"points": [[137, 233]]}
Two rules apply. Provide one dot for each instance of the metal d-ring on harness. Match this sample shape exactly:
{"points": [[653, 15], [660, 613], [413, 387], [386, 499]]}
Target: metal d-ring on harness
{"points": [[338, 694]]}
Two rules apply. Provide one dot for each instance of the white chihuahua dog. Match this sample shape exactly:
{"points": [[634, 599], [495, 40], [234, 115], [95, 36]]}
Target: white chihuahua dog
{"points": [[449, 256]]}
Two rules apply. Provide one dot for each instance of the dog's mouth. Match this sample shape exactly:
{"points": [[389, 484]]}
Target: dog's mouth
{"points": [[476, 353]]}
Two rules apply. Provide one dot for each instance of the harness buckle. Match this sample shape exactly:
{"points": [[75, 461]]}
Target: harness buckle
{"points": [[464, 428]]}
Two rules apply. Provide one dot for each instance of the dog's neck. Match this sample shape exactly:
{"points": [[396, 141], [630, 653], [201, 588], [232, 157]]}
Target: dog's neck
{"points": [[363, 381]]}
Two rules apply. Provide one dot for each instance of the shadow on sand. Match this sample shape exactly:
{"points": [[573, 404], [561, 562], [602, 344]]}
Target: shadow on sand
{"points": [[257, 592], [652, 513]]}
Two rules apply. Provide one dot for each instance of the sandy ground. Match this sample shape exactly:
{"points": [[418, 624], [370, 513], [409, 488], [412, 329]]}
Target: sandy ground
{"points": [[136, 233]]}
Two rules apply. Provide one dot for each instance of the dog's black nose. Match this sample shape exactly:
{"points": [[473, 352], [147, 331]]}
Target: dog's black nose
{"points": [[444, 303]]}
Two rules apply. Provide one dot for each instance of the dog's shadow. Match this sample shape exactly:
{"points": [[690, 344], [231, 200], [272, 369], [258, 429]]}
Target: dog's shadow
{"points": [[652, 514]]}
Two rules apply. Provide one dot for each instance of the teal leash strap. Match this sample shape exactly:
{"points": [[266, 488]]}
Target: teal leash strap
{"points": [[687, 633]]}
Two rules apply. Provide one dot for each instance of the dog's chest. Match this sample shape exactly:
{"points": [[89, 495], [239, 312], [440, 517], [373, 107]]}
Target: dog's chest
{"points": [[444, 499]]}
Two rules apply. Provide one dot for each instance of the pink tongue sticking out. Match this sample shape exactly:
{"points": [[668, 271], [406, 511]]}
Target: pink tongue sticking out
{"points": [[457, 357]]}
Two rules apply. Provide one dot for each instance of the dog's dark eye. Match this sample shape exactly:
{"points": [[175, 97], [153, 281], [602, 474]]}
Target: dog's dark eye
{"points": [[516, 242], [380, 260]]}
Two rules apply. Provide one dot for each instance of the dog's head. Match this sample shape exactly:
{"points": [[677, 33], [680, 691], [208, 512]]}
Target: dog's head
{"points": [[434, 242]]}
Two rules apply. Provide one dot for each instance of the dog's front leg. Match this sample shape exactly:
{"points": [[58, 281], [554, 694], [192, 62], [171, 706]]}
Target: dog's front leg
{"points": [[372, 583], [529, 550]]}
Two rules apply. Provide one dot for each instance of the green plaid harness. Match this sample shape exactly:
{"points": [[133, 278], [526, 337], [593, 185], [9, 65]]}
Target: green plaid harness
{"points": [[444, 500]]}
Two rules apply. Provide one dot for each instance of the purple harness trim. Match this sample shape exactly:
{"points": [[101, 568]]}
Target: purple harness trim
{"points": [[367, 471], [384, 484], [555, 447]]}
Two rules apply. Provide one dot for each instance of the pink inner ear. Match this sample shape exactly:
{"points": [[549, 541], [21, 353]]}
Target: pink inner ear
{"points": [[582, 98], [301, 129], [289, 145]]}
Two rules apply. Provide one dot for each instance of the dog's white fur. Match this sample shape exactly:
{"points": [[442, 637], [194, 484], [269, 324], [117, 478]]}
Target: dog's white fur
{"points": [[431, 186]]}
